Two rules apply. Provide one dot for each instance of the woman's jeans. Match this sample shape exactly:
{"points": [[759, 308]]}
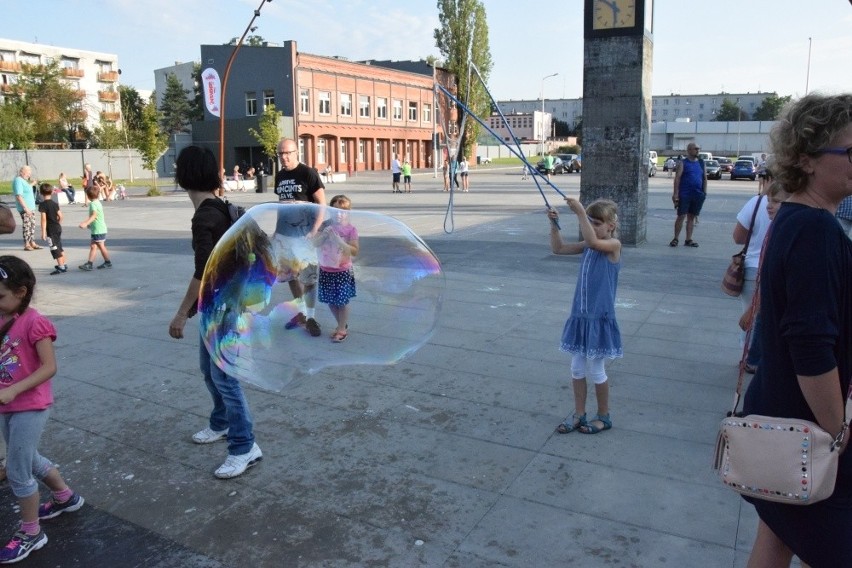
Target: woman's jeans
{"points": [[230, 408]]}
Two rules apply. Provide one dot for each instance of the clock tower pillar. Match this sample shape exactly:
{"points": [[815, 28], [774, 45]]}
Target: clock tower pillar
{"points": [[618, 60]]}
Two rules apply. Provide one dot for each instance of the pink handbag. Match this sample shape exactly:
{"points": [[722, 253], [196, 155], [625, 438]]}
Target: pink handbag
{"points": [[786, 460]]}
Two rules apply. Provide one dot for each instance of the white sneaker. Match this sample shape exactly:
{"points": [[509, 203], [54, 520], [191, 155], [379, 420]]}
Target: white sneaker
{"points": [[208, 436], [236, 465]]}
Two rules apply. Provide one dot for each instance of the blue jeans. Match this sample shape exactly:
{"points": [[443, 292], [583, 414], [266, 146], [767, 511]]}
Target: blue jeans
{"points": [[24, 465], [230, 408]]}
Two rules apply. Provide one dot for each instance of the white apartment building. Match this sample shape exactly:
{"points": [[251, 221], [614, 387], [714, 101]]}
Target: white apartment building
{"points": [[93, 75], [664, 108]]}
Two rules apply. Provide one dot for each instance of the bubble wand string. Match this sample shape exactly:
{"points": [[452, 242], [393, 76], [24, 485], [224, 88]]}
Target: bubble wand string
{"points": [[535, 173]]}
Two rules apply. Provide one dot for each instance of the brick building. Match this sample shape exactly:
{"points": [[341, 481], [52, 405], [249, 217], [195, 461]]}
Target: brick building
{"points": [[348, 115]]}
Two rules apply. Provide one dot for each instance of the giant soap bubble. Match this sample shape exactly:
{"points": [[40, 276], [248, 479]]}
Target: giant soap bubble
{"points": [[246, 298]]}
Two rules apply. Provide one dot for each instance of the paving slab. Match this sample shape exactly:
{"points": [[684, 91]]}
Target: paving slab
{"points": [[447, 458]]}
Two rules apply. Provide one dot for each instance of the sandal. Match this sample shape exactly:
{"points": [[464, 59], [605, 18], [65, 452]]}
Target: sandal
{"points": [[690, 243], [575, 423], [340, 336], [590, 428], [673, 243]]}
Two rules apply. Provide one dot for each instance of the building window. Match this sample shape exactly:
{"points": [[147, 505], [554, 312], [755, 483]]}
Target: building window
{"points": [[362, 150], [301, 149], [324, 103], [345, 104], [251, 103], [268, 98], [381, 107], [304, 101], [321, 150], [412, 111], [427, 113], [397, 109], [364, 106]]}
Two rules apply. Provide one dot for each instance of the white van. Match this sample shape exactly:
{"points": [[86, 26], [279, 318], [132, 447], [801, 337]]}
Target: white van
{"points": [[705, 156]]}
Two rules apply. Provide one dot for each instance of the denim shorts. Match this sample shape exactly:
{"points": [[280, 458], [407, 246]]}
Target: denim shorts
{"points": [[99, 238], [690, 203]]}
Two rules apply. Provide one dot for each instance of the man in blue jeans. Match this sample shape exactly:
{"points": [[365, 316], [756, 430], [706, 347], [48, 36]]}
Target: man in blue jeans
{"points": [[690, 190]]}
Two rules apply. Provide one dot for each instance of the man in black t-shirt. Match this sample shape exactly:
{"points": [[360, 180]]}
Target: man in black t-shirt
{"points": [[297, 184]]}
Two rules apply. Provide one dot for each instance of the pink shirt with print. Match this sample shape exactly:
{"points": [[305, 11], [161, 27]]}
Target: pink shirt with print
{"points": [[19, 359]]}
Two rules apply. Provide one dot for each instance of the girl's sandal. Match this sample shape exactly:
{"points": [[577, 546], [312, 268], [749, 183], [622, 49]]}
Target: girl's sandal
{"points": [[590, 428], [340, 336], [673, 243], [574, 423]]}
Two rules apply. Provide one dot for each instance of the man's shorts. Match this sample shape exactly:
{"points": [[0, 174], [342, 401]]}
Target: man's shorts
{"points": [[396, 177], [99, 238], [406, 179], [296, 259], [690, 203], [55, 244]]}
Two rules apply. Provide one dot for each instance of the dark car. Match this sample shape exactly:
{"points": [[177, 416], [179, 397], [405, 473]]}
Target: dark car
{"points": [[743, 169], [558, 166], [571, 162], [726, 164], [712, 169]]}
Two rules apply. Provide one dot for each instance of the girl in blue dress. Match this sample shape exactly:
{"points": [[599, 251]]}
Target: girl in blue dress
{"points": [[591, 334]]}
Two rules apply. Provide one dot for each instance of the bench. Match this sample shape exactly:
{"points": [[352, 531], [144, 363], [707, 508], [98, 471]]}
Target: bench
{"points": [[239, 185]]}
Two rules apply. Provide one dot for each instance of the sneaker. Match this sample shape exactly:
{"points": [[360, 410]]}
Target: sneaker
{"points": [[313, 327], [58, 270], [106, 264], [236, 465], [296, 321], [86, 266], [208, 436], [54, 508], [21, 545]]}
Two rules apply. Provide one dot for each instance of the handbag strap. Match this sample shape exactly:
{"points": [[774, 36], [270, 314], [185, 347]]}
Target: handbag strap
{"points": [[754, 307], [751, 226]]}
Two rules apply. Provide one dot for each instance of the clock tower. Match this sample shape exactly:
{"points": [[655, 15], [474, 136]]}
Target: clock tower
{"points": [[618, 56]]}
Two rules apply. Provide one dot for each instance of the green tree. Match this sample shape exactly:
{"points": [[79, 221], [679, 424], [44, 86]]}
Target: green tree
{"points": [[253, 40], [50, 103], [132, 106], [270, 131], [176, 110], [108, 136], [730, 111], [462, 39], [197, 104], [16, 130], [771, 107], [151, 141]]}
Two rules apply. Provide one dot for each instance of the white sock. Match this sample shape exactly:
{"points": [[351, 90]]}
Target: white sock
{"points": [[310, 312]]}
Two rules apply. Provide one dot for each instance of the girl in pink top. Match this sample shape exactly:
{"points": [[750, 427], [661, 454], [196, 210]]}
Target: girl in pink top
{"points": [[338, 243], [27, 363]]}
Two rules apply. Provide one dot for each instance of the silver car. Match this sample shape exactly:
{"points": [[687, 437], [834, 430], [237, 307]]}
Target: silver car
{"points": [[713, 169]]}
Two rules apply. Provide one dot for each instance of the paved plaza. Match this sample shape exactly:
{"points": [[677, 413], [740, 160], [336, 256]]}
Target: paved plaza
{"points": [[448, 458]]}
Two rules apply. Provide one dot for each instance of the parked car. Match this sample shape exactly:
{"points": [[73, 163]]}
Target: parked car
{"points": [[558, 166], [743, 169], [726, 164], [712, 169], [751, 159], [571, 161]]}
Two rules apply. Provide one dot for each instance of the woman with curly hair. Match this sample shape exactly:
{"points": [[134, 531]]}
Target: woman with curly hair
{"points": [[806, 318]]}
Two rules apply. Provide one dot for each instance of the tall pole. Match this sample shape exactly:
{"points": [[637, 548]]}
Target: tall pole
{"points": [[808, 75], [225, 89], [541, 128], [434, 121], [739, 118]]}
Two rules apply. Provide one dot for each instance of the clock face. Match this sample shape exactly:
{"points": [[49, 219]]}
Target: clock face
{"points": [[612, 14]]}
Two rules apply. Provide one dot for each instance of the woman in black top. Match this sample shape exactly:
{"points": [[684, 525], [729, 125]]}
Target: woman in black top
{"points": [[806, 318], [197, 172]]}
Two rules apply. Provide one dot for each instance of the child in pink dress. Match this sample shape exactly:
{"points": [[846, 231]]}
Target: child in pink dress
{"points": [[338, 243]]}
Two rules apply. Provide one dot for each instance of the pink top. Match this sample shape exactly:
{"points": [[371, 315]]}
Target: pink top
{"points": [[331, 257], [19, 359]]}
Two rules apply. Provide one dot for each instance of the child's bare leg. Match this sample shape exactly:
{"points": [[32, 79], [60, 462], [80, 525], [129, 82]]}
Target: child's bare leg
{"points": [[342, 317], [93, 250], [29, 507], [602, 394], [104, 253]]}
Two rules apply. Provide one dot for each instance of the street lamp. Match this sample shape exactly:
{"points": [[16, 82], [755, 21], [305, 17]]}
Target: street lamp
{"points": [[541, 129], [249, 28]]}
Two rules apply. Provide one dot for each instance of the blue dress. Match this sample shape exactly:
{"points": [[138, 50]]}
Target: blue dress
{"points": [[591, 330]]}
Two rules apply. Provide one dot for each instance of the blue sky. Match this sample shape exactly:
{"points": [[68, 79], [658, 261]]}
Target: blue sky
{"points": [[699, 46]]}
